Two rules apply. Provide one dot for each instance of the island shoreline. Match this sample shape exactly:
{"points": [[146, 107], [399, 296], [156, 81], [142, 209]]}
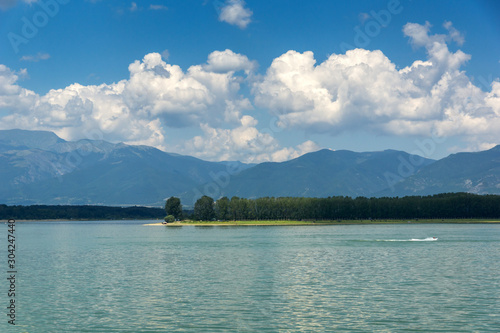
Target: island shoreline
{"points": [[324, 223]]}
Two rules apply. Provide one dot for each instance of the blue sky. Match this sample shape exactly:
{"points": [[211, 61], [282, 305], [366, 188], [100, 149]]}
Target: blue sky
{"points": [[256, 80]]}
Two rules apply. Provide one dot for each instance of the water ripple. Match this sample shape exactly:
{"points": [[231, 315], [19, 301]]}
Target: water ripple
{"points": [[127, 278]]}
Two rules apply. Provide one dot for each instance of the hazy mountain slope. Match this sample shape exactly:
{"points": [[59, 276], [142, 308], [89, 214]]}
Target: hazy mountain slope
{"points": [[21, 139], [44, 169], [38, 167], [321, 174], [477, 172]]}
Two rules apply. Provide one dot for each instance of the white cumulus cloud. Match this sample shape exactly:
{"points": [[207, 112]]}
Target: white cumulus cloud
{"points": [[359, 90], [228, 61], [364, 90], [157, 95], [243, 143], [235, 13]]}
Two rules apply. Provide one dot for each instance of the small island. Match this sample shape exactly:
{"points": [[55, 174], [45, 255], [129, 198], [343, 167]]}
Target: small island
{"points": [[441, 208]]}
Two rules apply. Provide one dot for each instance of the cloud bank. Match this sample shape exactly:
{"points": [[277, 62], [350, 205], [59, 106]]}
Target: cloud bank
{"points": [[364, 90], [156, 95], [358, 90], [243, 143]]}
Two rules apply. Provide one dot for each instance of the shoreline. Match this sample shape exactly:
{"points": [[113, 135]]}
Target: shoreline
{"points": [[280, 222], [322, 223], [77, 220]]}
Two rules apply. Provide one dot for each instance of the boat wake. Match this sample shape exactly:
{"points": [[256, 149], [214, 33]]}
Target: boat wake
{"points": [[428, 239]]}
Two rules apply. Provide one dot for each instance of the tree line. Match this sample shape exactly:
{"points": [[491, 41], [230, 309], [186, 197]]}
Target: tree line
{"points": [[440, 206], [47, 212]]}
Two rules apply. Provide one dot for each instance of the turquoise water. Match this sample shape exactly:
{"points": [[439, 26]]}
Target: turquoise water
{"points": [[126, 277]]}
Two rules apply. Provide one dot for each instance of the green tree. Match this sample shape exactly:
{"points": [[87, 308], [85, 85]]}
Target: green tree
{"points": [[234, 208], [173, 207], [222, 209], [169, 218], [204, 208]]}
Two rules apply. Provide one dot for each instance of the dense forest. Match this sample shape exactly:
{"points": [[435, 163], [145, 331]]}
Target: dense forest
{"points": [[441, 206], [42, 212]]}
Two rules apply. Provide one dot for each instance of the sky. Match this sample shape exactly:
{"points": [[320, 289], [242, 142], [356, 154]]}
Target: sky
{"points": [[255, 81]]}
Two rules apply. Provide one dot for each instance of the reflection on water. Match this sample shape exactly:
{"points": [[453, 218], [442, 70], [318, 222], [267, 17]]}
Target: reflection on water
{"points": [[125, 277]]}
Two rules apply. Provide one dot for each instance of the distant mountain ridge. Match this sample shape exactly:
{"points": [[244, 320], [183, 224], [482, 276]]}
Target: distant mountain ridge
{"points": [[38, 167], [16, 138], [323, 173], [476, 172]]}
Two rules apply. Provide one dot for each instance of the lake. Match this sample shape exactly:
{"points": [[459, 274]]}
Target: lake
{"points": [[122, 276]]}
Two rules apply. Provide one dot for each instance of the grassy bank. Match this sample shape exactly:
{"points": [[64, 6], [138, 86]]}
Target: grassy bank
{"points": [[333, 222]]}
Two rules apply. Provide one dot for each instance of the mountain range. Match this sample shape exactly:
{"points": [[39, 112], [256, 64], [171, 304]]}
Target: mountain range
{"points": [[38, 167]]}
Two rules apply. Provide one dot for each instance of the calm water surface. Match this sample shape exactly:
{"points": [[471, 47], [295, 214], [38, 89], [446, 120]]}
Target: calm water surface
{"points": [[126, 277]]}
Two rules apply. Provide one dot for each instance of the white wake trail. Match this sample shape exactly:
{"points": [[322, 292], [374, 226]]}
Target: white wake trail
{"points": [[428, 239]]}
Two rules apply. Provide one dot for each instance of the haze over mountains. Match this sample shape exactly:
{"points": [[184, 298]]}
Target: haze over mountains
{"points": [[37, 167], [40, 168]]}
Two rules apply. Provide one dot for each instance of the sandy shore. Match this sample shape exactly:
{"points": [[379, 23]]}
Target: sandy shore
{"points": [[318, 223]]}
